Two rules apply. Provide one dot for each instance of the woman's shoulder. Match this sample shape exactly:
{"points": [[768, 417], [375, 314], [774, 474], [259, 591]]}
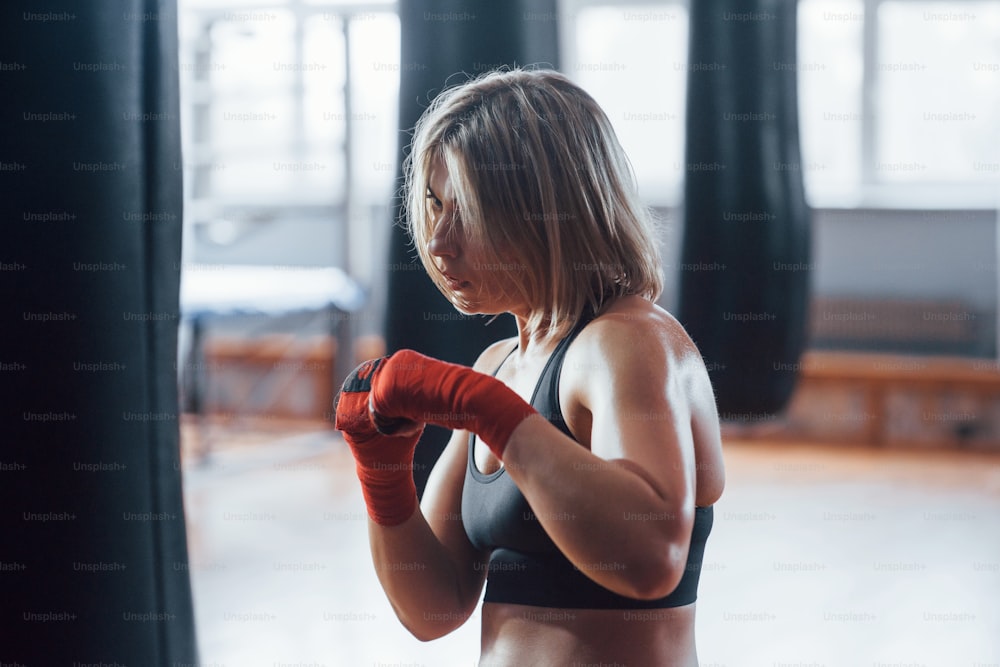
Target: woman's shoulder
{"points": [[634, 343], [636, 326], [491, 358]]}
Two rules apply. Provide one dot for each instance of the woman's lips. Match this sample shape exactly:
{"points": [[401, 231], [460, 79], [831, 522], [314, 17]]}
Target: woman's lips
{"points": [[454, 283]]}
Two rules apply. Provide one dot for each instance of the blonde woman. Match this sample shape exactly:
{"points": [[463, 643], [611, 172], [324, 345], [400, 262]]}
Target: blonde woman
{"points": [[579, 481]]}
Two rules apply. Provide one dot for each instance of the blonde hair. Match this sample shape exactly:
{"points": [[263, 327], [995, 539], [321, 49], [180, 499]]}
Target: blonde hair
{"points": [[542, 184]]}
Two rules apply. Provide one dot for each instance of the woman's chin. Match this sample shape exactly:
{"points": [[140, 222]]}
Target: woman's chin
{"points": [[466, 307]]}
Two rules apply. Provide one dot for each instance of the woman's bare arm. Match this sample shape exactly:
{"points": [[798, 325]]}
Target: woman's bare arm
{"points": [[623, 510], [431, 573]]}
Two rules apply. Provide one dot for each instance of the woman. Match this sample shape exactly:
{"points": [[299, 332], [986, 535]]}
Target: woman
{"points": [[586, 454]]}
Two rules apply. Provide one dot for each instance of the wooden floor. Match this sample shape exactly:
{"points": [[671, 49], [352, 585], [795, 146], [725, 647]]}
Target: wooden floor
{"points": [[821, 556]]}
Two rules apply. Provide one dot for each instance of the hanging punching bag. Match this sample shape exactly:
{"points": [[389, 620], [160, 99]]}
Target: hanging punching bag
{"points": [[744, 280], [93, 561], [443, 42]]}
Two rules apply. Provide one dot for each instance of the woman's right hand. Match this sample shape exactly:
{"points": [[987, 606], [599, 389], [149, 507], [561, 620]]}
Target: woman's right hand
{"points": [[382, 449]]}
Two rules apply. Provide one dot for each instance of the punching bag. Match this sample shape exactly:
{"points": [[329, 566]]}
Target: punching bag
{"points": [[93, 557], [744, 279], [445, 42]]}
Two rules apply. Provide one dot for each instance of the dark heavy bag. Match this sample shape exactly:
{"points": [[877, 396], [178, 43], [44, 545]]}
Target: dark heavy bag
{"points": [[93, 547], [744, 275]]}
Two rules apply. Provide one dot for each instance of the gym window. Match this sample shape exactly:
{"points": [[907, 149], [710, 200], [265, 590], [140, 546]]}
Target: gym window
{"points": [[899, 100], [290, 128]]}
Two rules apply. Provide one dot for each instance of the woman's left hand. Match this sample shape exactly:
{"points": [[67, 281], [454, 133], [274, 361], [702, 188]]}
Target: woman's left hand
{"points": [[422, 389]]}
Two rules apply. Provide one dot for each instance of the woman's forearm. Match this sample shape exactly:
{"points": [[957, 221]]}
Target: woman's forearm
{"points": [[430, 593]]}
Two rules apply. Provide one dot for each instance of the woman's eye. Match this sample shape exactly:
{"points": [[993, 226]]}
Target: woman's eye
{"points": [[435, 202]]}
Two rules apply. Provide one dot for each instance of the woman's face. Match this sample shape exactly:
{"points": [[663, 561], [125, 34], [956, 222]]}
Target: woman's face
{"points": [[475, 284]]}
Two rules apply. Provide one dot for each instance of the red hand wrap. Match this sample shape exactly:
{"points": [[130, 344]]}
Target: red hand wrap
{"points": [[413, 386], [384, 463]]}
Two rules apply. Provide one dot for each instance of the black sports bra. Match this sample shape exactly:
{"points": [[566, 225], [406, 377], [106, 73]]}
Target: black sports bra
{"points": [[525, 566]]}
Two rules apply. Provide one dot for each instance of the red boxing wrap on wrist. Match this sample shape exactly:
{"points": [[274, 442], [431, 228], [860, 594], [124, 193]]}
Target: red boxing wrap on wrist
{"points": [[384, 463], [412, 386]]}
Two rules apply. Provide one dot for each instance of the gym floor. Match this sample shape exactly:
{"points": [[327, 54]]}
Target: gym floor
{"points": [[820, 556]]}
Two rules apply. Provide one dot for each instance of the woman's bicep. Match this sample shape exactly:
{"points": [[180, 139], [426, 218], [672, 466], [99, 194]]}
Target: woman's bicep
{"points": [[640, 414]]}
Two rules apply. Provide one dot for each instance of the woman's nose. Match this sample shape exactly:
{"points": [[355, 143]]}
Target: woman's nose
{"points": [[443, 242]]}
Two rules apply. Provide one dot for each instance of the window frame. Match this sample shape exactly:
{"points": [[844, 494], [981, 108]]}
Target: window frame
{"points": [[870, 192]]}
